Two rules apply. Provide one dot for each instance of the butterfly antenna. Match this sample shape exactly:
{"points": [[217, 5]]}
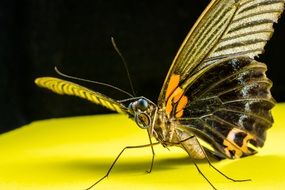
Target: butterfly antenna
{"points": [[90, 81], [125, 65]]}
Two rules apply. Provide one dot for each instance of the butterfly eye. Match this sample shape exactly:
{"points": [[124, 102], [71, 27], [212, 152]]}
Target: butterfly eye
{"points": [[142, 120], [142, 104]]}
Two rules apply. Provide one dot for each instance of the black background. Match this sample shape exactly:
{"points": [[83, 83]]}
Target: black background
{"points": [[74, 35]]}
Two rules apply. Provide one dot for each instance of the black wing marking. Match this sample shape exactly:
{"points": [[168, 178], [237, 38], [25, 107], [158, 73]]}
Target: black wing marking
{"points": [[230, 106]]}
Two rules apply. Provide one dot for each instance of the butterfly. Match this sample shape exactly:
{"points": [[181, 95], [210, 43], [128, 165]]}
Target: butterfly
{"points": [[215, 91]]}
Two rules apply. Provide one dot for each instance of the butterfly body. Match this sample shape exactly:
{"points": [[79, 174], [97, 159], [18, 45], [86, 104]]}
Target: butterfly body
{"points": [[168, 132], [163, 127]]}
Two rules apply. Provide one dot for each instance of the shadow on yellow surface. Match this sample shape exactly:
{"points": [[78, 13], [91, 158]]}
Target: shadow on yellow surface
{"points": [[72, 153]]}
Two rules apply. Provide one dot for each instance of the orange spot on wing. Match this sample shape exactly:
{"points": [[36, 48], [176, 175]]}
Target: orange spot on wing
{"points": [[182, 103], [174, 94], [232, 146], [172, 85], [168, 107], [177, 94], [174, 98], [179, 114]]}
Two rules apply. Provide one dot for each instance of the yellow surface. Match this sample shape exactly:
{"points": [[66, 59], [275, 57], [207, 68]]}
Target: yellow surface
{"points": [[72, 153]]}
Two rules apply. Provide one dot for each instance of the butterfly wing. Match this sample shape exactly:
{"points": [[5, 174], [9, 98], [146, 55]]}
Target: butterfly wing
{"points": [[214, 87], [226, 28], [230, 106], [68, 88]]}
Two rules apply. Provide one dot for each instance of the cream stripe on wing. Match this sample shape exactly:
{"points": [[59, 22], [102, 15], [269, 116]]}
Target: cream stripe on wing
{"points": [[227, 28], [254, 15]]}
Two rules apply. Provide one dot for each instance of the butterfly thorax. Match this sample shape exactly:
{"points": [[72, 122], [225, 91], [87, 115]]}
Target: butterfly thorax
{"points": [[163, 127], [168, 132]]}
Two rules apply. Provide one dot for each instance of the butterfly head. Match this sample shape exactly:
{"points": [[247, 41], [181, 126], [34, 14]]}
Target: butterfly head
{"points": [[142, 111]]}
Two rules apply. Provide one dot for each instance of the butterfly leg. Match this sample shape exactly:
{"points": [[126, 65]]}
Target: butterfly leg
{"points": [[212, 166], [119, 155], [152, 150], [197, 167]]}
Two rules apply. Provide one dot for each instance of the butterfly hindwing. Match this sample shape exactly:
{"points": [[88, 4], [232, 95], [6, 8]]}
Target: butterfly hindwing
{"points": [[65, 87], [230, 106]]}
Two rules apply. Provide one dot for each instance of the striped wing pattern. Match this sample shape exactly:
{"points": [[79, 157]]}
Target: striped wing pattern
{"points": [[68, 88], [249, 30], [227, 28]]}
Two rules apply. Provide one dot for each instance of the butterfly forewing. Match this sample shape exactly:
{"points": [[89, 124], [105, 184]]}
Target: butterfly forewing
{"points": [[227, 28], [65, 87]]}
